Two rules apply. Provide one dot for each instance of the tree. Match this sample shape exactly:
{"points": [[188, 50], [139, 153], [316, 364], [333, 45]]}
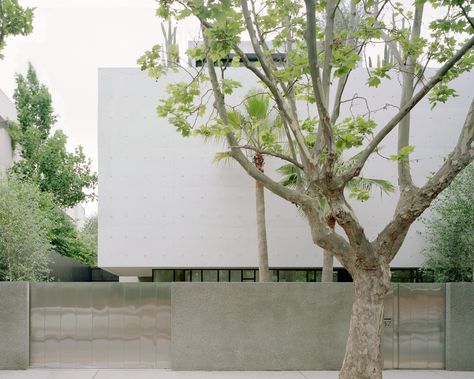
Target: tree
{"points": [[450, 231], [14, 21], [359, 188], [318, 64], [45, 159], [65, 239], [89, 234], [24, 244], [257, 132]]}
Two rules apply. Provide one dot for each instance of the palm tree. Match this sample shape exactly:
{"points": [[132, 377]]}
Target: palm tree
{"points": [[360, 188], [257, 131]]}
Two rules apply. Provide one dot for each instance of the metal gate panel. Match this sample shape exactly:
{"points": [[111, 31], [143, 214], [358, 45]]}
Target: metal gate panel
{"points": [[421, 330], [100, 325], [390, 327]]}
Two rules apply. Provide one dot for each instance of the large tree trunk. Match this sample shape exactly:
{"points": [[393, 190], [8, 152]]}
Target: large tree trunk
{"points": [[363, 359], [328, 258], [328, 264]]}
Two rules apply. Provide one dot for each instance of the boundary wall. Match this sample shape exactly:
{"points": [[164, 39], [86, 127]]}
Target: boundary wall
{"points": [[243, 326]]}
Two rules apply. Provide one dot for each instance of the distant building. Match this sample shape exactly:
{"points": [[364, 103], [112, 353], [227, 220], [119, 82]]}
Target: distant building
{"points": [[169, 213], [7, 114]]}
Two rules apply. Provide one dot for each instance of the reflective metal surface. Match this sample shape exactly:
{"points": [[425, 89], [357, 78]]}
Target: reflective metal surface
{"points": [[390, 337], [421, 325], [100, 325], [414, 326]]}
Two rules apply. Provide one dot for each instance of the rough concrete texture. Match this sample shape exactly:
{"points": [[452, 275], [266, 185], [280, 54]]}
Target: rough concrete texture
{"points": [[14, 325], [460, 326], [255, 326]]}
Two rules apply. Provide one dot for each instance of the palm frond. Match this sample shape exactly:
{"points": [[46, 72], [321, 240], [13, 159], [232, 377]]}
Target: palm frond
{"points": [[368, 184], [290, 175], [257, 106], [222, 156]]}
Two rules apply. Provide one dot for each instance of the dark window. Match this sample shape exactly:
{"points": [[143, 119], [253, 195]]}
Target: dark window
{"points": [[179, 276], [163, 275]]}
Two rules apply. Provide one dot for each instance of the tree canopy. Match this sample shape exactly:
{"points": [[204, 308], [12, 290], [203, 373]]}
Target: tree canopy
{"points": [[45, 159], [14, 20], [450, 231], [24, 242]]}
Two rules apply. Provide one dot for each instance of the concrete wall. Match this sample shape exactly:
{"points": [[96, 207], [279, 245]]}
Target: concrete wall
{"points": [[460, 326], [187, 211], [252, 326], [14, 325]]}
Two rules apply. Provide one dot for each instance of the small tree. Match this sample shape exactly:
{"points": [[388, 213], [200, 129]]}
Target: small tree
{"points": [[14, 21], [450, 231], [45, 159], [89, 234], [63, 235], [257, 131], [320, 63], [24, 243]]}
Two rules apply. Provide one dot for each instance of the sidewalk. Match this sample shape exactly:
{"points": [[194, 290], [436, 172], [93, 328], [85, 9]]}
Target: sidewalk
{"points": [[168, 374]]}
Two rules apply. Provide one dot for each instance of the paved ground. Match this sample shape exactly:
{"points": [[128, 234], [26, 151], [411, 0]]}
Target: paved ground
{"points": [[168, 374]]}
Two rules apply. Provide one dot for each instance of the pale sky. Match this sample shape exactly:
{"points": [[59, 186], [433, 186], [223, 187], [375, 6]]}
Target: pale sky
{"points": [[70, 41]]}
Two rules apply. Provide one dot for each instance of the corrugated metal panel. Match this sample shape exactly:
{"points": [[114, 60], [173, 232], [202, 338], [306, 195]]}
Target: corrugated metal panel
{"points": [[102, 325]]}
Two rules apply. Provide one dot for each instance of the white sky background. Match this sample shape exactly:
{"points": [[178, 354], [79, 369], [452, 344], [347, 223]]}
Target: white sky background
{"points": [[70, 41]]}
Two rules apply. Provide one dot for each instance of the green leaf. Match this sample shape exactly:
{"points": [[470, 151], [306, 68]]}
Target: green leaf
{"points": [[373, 81], [402, 153]]}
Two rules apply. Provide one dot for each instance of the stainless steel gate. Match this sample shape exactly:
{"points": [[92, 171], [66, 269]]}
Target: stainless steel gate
{"points": [[414, 326], [100, 325]]}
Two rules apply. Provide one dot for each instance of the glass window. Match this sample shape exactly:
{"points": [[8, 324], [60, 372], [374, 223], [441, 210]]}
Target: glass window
{"points": [[223, 275], [248, 275], [311, 275], [196, 276], [300, 276], [209, 275], [187, 275], [401, 276], [179, 275], [162, 275], [235, 275], [275, 275]]}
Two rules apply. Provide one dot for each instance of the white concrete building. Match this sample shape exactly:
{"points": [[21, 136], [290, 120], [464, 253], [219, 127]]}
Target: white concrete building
{"points": [[165, 205], [7, 114]]}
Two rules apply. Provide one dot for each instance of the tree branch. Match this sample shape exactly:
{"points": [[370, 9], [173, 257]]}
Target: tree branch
{"points": [[254, 172], [328, 46], [405, 180], [435, 79], [325, 237], [324, 128], [270, 82], [390, 239], [266, 152]]}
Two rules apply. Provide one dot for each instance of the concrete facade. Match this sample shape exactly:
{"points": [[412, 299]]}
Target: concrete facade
{"points": [[14, 325], [7, 113], [460, 326], [259, 326], [165, 204]]}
